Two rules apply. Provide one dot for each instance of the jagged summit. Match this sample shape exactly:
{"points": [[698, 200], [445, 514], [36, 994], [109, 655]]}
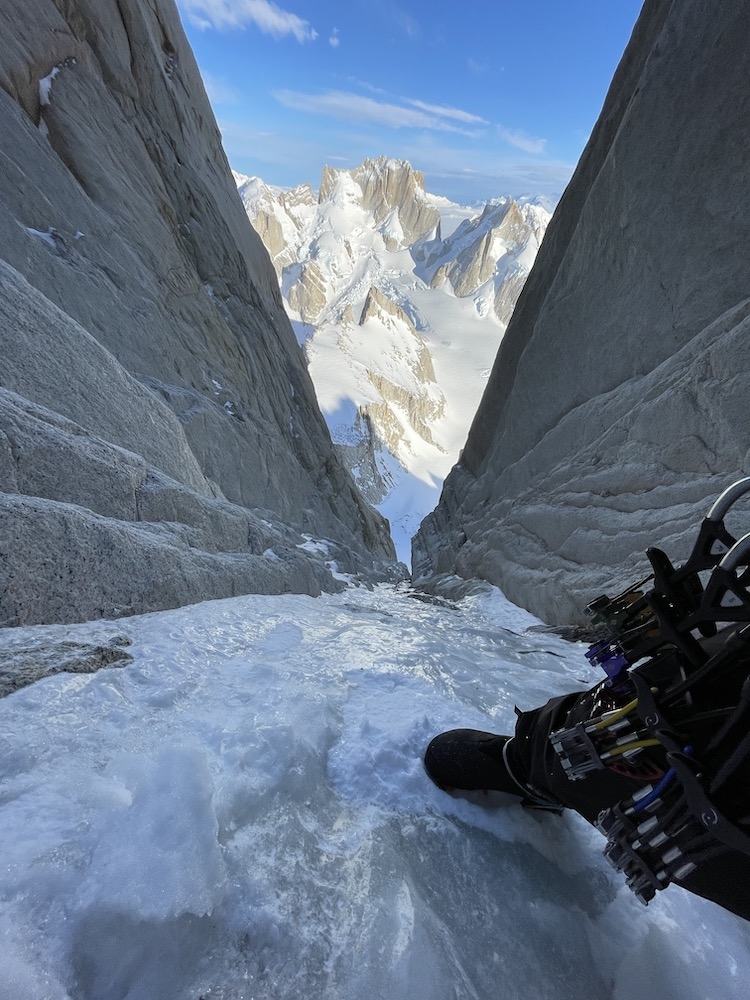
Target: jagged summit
{"points": [[395, 195], [495, 249]]}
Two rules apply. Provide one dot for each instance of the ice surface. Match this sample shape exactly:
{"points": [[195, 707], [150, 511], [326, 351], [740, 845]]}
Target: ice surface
{"points": [[243, 813]]}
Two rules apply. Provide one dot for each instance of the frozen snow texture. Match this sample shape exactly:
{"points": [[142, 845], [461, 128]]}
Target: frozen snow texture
{"points": [[243, 812], [45, 87], [48, 236]]}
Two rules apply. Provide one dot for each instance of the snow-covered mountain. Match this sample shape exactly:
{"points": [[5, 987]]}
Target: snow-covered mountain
{"points": [[401, 299]]}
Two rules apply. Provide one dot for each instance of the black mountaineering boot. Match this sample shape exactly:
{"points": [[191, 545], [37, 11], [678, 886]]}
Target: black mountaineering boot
{"points": [[469, 760]]}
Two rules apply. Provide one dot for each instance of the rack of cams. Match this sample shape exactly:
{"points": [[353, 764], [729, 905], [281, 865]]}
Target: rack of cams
{"points": [[678, 680]]}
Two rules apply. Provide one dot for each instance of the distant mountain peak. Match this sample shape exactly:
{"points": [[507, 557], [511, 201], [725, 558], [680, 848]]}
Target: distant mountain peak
{"points": [[400, 325], [393, 192]]}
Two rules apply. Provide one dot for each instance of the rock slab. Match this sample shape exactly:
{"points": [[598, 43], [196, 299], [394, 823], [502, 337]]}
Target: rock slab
{"points": [[615, 412], [158, 428]]}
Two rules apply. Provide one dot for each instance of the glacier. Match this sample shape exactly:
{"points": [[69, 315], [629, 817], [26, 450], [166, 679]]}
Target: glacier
{"points": [[242, 812]]}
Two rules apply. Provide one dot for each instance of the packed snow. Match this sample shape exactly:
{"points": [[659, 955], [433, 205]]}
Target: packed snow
{"points": [[242, 812], [45, 84], [45, 87], [48, 236]]}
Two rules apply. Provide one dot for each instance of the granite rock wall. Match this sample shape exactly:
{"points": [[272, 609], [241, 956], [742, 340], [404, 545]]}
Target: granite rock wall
{"points": [[615, 410], [158, 429]]}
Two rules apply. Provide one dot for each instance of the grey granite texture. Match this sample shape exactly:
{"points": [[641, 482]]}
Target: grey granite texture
{"points": [[158, 427], [616, 408]]}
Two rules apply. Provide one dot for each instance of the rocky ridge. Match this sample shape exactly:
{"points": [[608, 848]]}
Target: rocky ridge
{"points": [[614, 414], [498, 246], [160, 442]]}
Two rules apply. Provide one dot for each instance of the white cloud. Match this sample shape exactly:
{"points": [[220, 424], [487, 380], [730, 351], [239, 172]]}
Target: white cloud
{"points": [[396, 15], [521, 140], [486, 172], [255, 151], [447, 112], [334, 41], [364, 85], [490, 174], [265, 15], [360, 109], [406, 22]]}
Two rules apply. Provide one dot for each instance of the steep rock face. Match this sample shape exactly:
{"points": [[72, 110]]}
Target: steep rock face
{"points": [[615, 410], [306, 290], [497, 247], [271, 232], [278, 216], [159, 429], [363, 451], [297, 201], [378, 306], [419, 404], [507, 293], [470, 269]]}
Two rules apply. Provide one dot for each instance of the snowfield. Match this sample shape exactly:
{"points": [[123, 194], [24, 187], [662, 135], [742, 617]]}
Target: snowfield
{"points": [[242, 813]]}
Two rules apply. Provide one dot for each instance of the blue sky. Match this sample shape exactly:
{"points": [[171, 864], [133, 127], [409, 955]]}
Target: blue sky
{"points": [[486, 97]]}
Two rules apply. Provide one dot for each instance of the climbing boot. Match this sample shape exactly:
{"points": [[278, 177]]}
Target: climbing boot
{"points": [[469, 760]]}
